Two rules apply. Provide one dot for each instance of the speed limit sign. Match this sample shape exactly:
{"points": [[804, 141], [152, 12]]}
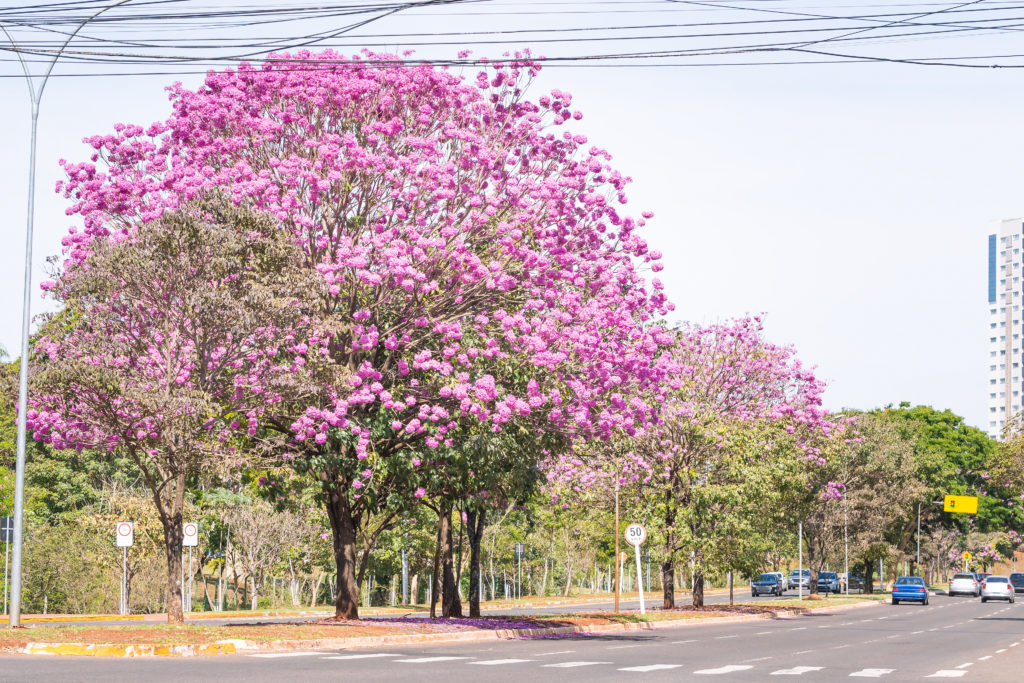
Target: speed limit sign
{"points": [[125, 534], [636, 534]]}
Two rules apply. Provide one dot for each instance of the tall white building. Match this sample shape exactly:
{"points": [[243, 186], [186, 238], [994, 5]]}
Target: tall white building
{"points": [[1005, 266]]}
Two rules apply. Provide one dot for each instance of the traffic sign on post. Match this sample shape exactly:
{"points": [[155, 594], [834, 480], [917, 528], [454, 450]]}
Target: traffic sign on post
{"points": [[967, 505], [636, 534], [967, 557], [125, 534], [189, 534], [6, 529]]}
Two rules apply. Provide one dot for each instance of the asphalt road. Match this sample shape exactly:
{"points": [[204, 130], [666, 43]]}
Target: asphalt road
{"points": [[951, 638]]}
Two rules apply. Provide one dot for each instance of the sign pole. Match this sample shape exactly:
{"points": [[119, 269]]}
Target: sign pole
{"points": [[405, 576], [124, 580], [800, 562], [639, 578], [617, 560]]}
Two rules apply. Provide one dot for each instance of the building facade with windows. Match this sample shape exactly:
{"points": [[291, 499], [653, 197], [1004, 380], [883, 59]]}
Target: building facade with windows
{"points": [[1005, 296]]}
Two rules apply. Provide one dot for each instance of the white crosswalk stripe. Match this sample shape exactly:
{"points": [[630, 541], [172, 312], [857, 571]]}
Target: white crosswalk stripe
{"points": [[872, 673], [796, 670], [570, 665], [651, 667], [727, 669], [496, 662], [365, 656], [424, 660]]}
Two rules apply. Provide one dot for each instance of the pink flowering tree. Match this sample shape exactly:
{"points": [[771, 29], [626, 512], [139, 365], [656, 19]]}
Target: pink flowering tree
{"points": [[734, 404], [168, 340], [455, 224]]}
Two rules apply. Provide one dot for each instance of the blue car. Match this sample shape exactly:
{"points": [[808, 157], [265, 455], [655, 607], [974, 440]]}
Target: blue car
{"points": [[909, 588]]}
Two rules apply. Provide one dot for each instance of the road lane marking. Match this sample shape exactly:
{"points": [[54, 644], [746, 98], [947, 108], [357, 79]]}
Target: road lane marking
{"points": [[799, 628], [803, 652], [948, 673], [965, 665], [273, 655], [496, 662], [724, 637], [840, 647], [982, 659], [757, 659], [727, 669], [368, 656], [761, 633], [624, 647], [560, 652], [651, 667], [796, 670], [916, 632], [999, 652], [570, 665], [872, 673], [424, 660], [683, 642]]}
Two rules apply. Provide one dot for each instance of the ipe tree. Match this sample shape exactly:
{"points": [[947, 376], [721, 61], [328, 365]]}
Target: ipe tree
{"points": [[456, 226]]}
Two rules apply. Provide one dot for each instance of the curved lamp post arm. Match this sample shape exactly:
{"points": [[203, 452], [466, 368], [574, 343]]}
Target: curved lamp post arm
{"points": [[35, 96]]}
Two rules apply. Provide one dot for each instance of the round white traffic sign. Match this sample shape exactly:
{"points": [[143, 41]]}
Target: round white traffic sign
{"points": [[125, 534], [190, 534], [636, 534]]}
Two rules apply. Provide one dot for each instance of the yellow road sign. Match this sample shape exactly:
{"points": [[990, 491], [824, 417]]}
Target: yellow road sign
{"points": [[967, 505], [967, 556]]}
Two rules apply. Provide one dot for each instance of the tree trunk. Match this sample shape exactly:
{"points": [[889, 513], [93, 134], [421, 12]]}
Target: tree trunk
{"points": [[544, 580], [698, 587], [869, 577], [343, 533], [568, 577], [451, 605], [668, 566], [475, 527], [171, 519], [435, 583], [252, 598], [316, 589]]}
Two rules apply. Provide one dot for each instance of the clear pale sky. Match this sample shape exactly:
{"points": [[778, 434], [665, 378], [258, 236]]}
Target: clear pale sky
{"points": [[847, 202]]}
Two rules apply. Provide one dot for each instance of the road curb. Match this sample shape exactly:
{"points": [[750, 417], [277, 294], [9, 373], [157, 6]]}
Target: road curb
{"points": [[226, 647], [108, 650]]}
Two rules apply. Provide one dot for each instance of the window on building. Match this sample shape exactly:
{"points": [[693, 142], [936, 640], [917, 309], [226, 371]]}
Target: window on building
{"points": [[993, 339]]}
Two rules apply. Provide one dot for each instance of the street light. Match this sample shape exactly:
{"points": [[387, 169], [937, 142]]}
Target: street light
{"points": [[35, 97]]}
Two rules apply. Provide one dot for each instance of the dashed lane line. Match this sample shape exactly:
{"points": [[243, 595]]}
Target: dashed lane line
{"points": [[982, 659], [999, 652], [560, 652], [762, 633], [727, 669], [275, 655], [756, 659], [684, 642], [948, 673], [796, 671], [372, 655], [803, 652], [498, 662], [965, 665], [651, 667], [725, 637], [572, 665], [871, 673], [625, 647]]}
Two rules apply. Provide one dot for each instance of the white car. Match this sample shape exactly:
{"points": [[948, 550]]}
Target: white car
{"points": [[965, 584], [997, 588]]}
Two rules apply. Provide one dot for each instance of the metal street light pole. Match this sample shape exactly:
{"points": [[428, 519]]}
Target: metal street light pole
{"points": [[35, 97]]}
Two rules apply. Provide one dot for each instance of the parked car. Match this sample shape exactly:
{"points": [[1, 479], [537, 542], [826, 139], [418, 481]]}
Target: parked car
{"points": [[828, 582], [782, 581], [1017, 579], [997, 588], [799, 577], [856, 582], [965, 584], [765, 584], [909, 588]]}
